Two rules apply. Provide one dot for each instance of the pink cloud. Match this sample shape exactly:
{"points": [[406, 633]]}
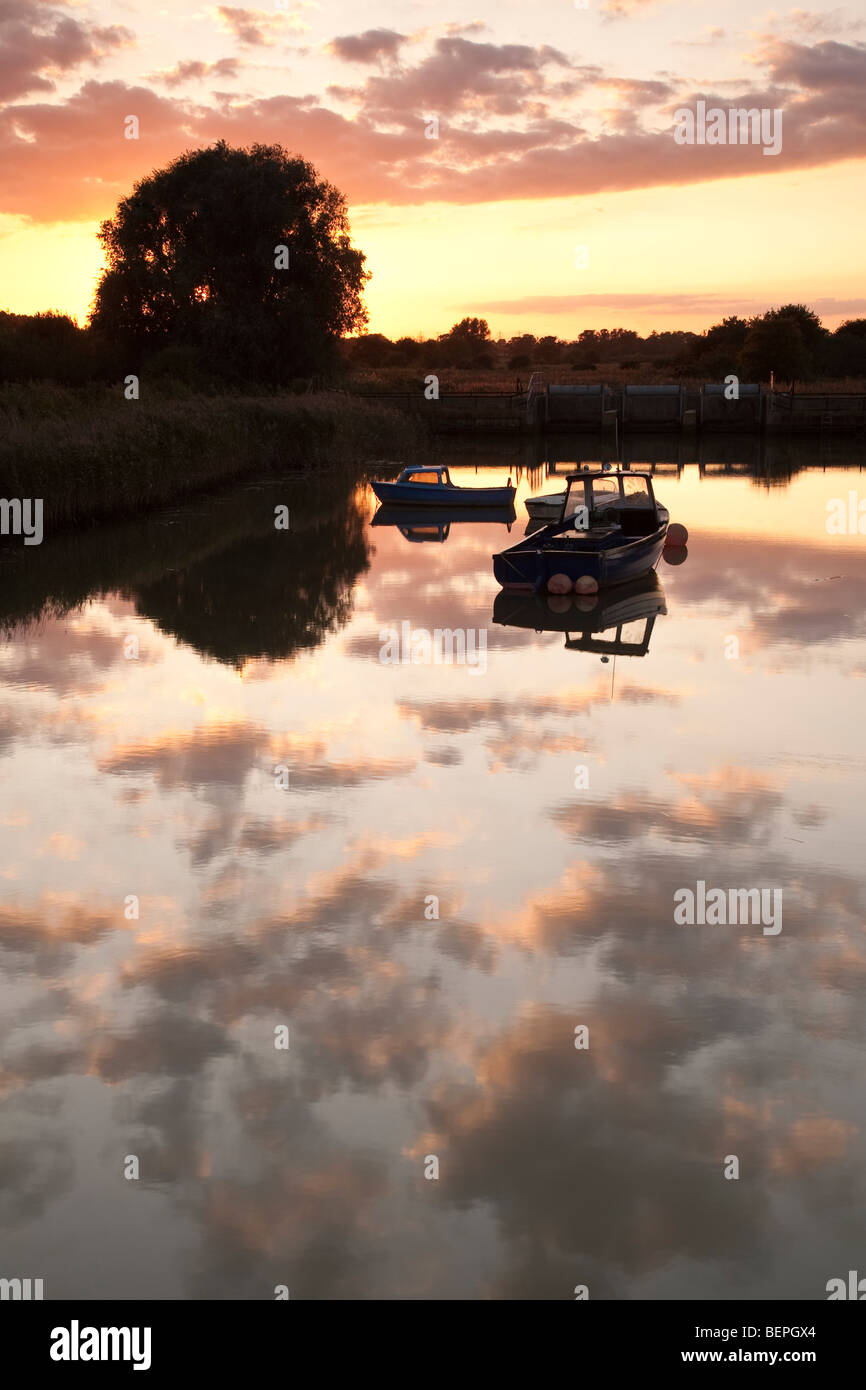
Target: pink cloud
{"points": [[254, 28], [195, 71], [368, 47], [498, 137], [38, 40]]}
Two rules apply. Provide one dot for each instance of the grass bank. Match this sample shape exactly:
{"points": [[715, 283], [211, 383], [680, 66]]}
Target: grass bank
{"points": [[498, 381], [93, 456]]}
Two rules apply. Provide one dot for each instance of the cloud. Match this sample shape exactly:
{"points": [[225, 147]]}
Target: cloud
{"points": [[829, 67], [624, 9], [195, 71], [625, 301], [37, 41], [669, 305], [711, 34], [638, 90], [498, 137], [223, 755], [725, 808], [372, 45], [820, 22], [457, 75], [255, 28]]}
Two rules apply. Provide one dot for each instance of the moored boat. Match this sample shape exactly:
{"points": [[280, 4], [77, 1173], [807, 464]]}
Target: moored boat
{"points": [[546, 507], [432, 486], [611, 529]]}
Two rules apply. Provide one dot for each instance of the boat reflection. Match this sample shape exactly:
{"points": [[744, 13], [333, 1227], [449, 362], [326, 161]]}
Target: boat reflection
{"points": [[616, 622], [434, 523]]}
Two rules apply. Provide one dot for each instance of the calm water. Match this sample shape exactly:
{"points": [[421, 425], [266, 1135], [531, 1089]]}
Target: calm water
{"points": [[551, 802]]}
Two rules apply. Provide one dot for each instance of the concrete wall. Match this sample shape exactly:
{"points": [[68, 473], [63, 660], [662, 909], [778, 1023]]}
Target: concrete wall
{"points": [[579, 405], [652, 405], [716, 412], [804, 412], [591, 408]]}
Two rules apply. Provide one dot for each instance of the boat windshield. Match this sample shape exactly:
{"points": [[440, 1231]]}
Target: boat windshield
{"points": [[595, 493], [636, 492], [575, 497], [422, 476], [605, 492]]}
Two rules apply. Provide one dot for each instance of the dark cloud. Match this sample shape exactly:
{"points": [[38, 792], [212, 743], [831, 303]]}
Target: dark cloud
{"points": [[195, 71], [39, 40], [368, 47]]}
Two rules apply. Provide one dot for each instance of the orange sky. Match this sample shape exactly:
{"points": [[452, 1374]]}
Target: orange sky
{"points": [[556, 129]]}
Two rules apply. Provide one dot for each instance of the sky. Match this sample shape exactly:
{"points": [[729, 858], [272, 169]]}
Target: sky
{"points": [[552, 197]]}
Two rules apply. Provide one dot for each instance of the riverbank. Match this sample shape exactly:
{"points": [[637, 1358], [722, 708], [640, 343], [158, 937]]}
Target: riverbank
{"points": [[93, 456]]}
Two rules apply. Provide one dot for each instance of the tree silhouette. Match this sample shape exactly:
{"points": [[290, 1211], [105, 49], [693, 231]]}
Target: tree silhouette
{"points": [[266, 595], [242, 255], [469, 330], [774, 344]]}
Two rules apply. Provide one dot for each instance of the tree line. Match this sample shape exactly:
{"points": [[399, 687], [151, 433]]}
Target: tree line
{"points": [[790, 342]]}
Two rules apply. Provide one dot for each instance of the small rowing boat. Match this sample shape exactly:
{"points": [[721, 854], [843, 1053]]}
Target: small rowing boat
{"points": [[546, 507]]}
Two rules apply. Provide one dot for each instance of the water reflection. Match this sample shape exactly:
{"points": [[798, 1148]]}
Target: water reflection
{"points": [[421, 524], [148, 1027], [615, 622]]}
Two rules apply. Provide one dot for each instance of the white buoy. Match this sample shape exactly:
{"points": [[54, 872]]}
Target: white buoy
{"points": [[586, 585]]}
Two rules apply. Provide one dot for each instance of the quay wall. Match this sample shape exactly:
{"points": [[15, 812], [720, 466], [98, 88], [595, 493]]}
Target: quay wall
{"points": [[615, 408]]}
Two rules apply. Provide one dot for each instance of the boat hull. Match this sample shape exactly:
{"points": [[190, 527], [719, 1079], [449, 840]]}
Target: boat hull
{"points": [[435, 495], [404, 515]]}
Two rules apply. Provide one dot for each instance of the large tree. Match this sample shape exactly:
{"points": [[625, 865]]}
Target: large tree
{"points": [[774, 343], [243, 255]]}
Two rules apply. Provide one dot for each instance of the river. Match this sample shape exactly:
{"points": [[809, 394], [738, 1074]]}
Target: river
{"points": [[335, 973]]}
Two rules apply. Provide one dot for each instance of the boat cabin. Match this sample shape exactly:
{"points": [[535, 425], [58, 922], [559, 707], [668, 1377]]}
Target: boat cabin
{"points": [[431, 476], [601, 498]]}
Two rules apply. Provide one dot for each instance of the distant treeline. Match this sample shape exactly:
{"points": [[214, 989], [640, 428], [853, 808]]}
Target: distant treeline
{"points": [[789, 341]]}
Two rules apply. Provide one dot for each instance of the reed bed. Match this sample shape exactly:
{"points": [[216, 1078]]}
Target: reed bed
{"points": [[91, 455]]}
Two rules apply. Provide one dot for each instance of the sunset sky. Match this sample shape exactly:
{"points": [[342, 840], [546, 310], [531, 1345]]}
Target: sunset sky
{"points": [[555, 131]]}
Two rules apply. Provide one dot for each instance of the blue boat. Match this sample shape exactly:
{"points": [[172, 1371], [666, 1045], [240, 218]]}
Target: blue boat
{"points": [[611, 529], [432, 486]]}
